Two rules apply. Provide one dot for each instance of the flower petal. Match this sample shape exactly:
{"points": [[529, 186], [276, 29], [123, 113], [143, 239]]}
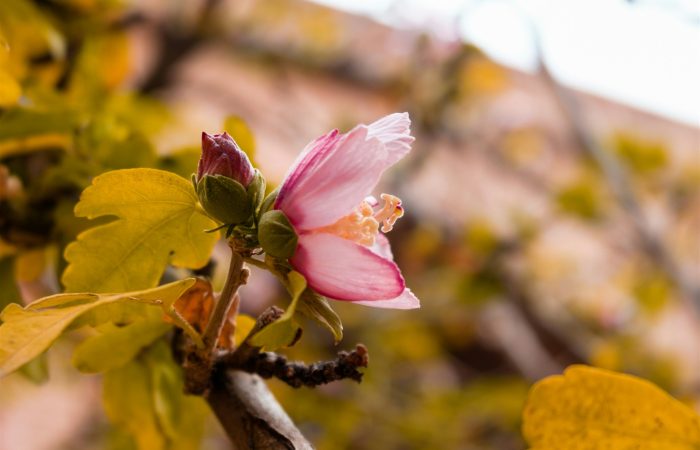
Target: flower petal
{"points": [[307, 161], [332, 180], [404, 301], [343, 270], [336, 172], [382, 247], [394, 131]]}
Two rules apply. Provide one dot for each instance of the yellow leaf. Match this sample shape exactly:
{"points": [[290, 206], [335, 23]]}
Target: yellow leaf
{"points": [[283, 331], [117, 346], [128, 402], [244, 324], [595, 409], [146, 398], [10, 90], [160, 223], [27, 332]]}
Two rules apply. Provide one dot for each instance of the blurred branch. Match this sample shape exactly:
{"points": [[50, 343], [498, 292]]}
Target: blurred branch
{"points": [[617, 178], [175, 45]]}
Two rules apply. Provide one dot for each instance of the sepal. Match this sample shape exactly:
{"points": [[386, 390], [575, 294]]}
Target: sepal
{"points": [[276, 235]]}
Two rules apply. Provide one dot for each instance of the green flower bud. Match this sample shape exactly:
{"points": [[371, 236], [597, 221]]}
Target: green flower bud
{"points": [[224, 199], [276, 235]]}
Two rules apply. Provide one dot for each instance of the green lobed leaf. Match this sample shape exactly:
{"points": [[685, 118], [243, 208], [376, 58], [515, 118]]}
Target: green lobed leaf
{"points": [[27, 332], [117, 346], [283, 331], [317, 308], [160, 222]]}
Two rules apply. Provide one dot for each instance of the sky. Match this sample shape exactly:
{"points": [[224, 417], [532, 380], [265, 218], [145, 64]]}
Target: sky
{"points": [[644, 53]]}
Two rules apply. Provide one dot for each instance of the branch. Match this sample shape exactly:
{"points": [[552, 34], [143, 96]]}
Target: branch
{"points": [[249, 413], [297, 374]]}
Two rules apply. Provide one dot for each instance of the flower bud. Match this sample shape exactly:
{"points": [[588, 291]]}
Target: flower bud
{"points": [[224, 199], [222, 156]]}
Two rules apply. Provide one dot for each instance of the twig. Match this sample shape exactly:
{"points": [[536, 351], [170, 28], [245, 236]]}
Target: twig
{"points": [[236, 277], [297, 374]]}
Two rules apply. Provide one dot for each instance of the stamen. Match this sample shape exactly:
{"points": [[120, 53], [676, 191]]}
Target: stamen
{"points": [[390, 212], [362, 225]]}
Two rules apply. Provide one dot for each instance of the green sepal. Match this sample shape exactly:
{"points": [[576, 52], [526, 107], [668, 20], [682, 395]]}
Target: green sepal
{"points": [[276, 235], [256, 190], [268, 202], [316, 307], [224, 199]]}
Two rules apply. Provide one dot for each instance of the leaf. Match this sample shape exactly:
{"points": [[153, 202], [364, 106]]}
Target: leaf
{"points": [[244, 325], [25, 131], [589, 408], [10, 90], [117, 346], [128, 402], [27, 332], [153, 407], [317, 308], [283, 331], [36, 370], [159, 223], [242, 134]]}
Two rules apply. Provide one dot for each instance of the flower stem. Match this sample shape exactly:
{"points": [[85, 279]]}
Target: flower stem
{"points": [[236, 277]]}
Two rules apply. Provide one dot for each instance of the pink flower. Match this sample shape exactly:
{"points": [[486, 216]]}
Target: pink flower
{"points": [[326, 197]]}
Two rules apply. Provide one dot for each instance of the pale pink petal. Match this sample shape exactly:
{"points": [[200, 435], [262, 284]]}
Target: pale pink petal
{"points": [[394, 131], [343, 270], [404, 301], [382, 247], [308, 160], [332, 179]]}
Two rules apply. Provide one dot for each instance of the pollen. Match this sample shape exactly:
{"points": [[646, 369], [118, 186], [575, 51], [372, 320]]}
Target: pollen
{"points": [[362, 225]]}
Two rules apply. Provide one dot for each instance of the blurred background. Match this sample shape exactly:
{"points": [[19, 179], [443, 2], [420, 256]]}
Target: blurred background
{"points": [[552, 195]]}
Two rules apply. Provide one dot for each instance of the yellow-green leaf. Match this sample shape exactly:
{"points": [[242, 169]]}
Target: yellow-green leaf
{"points": [[283, 331], [117, 346], [10, 90], [146, 398], [128, 402], [159, 223], [595, 409], [27, 332]]}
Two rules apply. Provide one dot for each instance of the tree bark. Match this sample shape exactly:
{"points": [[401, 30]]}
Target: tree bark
{"points": [[250, 414]]}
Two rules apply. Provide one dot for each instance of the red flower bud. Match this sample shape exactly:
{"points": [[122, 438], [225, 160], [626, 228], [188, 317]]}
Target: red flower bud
{"points": [[222, 156]]}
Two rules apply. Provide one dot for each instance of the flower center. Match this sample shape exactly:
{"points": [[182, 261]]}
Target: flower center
{"points": [[362, 225]]}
